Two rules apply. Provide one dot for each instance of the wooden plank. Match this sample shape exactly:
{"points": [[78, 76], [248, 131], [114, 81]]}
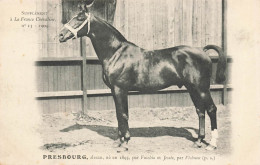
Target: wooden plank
{"points": [[229, 72], [208, 18], [186, 22], [161, 100], [101, 83], [101, 103], [105, 102], [97, 103], [196, 23], [91, 58], [199, 24], [88, 75], [39, 76], [135, 18], [214, 23], [171, 22], [74, 83], [58, 59], [51, 30], [44, 38], [168, 100], [165, 25], [53, 105], [110, 102], [74, 78], [96, 77], [178, 22], [108, 91], [146, 100], [91, 101], [224, 46], [58, 94], [213, 76], [203, 23], [219, 23], [155, 28], [45, 77], [91, 76], [140, 100], [84, 76], [59, 86], [131, 23], [79, 72], [67, 105], [62, 78], [45, 106], [68, 78], [55, 78], [212, 28]]}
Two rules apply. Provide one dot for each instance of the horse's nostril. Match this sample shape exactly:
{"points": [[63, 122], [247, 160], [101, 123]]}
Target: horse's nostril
{"points": [[61, 36]]}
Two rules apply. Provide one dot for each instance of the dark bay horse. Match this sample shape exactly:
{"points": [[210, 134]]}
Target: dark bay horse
{"points": [[128, 67]]}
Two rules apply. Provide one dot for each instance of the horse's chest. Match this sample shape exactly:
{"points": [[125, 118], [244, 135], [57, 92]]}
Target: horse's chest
{"points": [[116, 72]]}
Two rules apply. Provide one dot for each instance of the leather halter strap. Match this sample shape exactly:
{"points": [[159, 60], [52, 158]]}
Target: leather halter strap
{"points": [[75, 31]]}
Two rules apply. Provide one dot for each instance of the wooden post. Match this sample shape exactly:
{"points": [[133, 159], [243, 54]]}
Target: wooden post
{"points": [[224, 46], [84, 75]]}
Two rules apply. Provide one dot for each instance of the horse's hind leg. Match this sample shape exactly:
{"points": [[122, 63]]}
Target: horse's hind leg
{"points": [[210, 107], [121, 103], [203, 102], [212, 112], [197, 100]]}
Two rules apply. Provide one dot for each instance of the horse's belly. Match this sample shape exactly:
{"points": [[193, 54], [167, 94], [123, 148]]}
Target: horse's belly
{"points": [[157, 78]]}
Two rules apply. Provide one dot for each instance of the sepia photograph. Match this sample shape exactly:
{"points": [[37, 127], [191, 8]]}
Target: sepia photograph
{"points": [[129, 81]]}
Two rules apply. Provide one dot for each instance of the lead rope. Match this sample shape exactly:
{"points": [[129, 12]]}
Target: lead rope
{"points": [[88, 23]]}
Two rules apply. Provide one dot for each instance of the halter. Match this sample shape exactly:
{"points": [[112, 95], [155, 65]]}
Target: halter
{"points": [[75, 31]]}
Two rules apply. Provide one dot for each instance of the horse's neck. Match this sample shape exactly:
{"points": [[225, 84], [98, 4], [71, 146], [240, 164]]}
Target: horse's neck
{"points": [[105, 39]]}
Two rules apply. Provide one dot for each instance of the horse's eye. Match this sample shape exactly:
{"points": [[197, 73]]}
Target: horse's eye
{"points": [[80, 18]]}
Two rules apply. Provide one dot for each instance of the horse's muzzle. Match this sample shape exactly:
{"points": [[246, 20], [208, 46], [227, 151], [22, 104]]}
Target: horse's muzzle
{"points": [[61, 37]]}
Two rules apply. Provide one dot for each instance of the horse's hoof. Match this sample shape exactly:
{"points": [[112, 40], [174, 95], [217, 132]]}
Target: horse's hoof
{"points": [[123, 147], [211, 147], [197, 144], [117, 143]]}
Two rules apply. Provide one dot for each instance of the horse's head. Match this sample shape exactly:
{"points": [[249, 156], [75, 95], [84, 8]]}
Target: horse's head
{"points": [[78, 26]]}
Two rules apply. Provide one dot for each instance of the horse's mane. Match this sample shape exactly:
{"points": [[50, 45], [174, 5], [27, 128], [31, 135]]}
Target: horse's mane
{"points": [[115, 31]]}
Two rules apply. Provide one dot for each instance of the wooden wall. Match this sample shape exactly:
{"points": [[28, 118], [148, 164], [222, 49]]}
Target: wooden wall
{"points": [[151, 24], [155, 24]]}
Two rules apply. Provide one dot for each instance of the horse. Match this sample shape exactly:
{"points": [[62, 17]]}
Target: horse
{"points": [[128, 67]]}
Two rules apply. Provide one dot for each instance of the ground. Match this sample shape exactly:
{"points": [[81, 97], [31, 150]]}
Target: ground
{"points": [[153, 130]]}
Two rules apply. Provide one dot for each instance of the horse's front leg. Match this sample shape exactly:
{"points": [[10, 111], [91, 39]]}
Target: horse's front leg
{"points": [[121, 103]]}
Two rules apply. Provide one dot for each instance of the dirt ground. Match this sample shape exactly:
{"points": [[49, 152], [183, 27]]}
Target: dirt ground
{"points": [[153, 130]]}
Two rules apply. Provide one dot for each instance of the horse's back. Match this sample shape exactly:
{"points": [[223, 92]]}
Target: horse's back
{"points": [[135, 68]]}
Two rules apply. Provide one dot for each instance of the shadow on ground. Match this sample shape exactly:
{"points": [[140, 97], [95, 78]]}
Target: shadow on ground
{"points": [[111, 132], [53, 146]]}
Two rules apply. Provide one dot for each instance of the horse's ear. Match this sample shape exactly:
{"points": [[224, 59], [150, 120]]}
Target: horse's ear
{"points": [[89, 2], [84, 4]]}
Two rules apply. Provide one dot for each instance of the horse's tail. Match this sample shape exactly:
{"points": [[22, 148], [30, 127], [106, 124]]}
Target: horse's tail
{"points": [[222, 62]]}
